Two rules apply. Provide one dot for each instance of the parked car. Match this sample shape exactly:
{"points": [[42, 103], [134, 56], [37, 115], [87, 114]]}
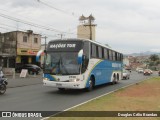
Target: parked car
{"points": [[150, 71], [140, 70], [126, 74], [159, 72], [32, 69], [147, 72]]}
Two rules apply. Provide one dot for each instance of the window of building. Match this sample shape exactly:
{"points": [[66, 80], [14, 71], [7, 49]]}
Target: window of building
{"points": [[2, 39], [35, 40], [24, 38]]}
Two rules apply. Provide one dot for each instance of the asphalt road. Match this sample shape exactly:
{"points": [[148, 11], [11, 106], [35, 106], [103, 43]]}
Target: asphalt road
{"points": [[40, 98]]}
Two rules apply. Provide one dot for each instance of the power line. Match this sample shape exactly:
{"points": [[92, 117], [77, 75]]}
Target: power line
{"points": [[55, 8], [32, 24], [4, 28], [32, 20], [11, 26], [43, 34]]}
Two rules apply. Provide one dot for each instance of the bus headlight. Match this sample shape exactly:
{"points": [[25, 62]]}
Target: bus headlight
{"points": [[74, 80], [46, 79]]}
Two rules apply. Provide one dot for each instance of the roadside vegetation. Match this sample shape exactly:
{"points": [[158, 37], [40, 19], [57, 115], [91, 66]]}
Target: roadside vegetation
{"points": [[144, 96], [154, 62]]}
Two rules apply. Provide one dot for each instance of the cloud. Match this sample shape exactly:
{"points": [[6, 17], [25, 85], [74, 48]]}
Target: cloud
{"points": [[126, 25]]}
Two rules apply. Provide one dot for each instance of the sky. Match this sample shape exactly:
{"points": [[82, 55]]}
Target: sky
{"points": [[128, 26]]}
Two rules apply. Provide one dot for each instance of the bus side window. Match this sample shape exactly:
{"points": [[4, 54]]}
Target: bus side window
{"points": [[116, 56], [105, 54], [99, 52], [121, 57], [93, 51], [113, 53], [110, 55], [85, 56]]}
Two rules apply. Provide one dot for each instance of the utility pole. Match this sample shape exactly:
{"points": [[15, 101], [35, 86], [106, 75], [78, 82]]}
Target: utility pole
{"points": [[90, 26], [61, 35]]}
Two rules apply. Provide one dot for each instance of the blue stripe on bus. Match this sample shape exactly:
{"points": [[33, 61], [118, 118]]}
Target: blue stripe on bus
{"points": [[102, 72], [50, 77]]}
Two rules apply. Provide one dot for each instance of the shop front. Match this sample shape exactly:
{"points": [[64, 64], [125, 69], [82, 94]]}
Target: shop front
{"points": [[26, 56]]}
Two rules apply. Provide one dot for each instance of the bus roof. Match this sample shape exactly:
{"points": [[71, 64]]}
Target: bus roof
{"points": [[75, 39]]}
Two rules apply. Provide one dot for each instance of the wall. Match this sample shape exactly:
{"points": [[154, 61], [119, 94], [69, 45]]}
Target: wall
{"points": [[83, 31], [30, 40], [8, 44]]}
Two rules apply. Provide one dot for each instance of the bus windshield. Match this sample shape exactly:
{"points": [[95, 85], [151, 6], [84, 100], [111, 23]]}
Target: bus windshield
{"points": [[63, 63]]}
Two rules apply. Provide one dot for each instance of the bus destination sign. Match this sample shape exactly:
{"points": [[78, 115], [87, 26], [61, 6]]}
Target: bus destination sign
{"points": [[56, 46], [65, 46]]}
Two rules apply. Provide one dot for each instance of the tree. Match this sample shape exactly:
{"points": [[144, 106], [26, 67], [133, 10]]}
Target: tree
{"points": [[157, 62], [154, 57]]}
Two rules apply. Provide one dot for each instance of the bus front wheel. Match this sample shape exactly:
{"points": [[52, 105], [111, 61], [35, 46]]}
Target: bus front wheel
{"points": [[61, 89], [91, 84]]}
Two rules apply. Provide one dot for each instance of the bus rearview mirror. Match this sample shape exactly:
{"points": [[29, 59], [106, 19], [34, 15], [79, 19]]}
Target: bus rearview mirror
{"points": [[80, 57]]}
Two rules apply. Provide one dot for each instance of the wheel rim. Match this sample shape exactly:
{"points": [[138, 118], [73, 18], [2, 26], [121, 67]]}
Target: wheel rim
{"points": [[114, 80], [3, 89], [90, 85]]}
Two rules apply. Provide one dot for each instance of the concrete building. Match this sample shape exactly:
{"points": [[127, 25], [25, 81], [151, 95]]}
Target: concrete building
{"points": [[7, 49], [86, 28], [18, 47], [28, 44]]}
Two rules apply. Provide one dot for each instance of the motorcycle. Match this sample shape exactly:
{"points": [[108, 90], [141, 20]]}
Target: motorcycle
{"points": [[3, 84]]}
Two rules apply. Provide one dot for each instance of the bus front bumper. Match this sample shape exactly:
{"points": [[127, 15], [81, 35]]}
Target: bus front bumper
{"points": [[69, 85]]}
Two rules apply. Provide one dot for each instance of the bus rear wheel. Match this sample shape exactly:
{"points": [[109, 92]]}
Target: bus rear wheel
{"points": [[114, 81]]}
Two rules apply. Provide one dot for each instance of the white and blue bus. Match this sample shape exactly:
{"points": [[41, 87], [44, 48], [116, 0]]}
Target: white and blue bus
{"points": [[79, 64]]}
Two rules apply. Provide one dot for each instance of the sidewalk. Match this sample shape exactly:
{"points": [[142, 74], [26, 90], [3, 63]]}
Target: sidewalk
{"points": [[19, 82]]}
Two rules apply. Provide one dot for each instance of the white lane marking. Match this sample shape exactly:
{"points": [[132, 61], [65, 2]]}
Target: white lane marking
{"points": [[95, 98]]}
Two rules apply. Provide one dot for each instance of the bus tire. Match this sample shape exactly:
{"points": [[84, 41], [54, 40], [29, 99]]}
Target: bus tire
{"points": [[114, 81], [91, 84], [61, 89], [117, 78]]}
